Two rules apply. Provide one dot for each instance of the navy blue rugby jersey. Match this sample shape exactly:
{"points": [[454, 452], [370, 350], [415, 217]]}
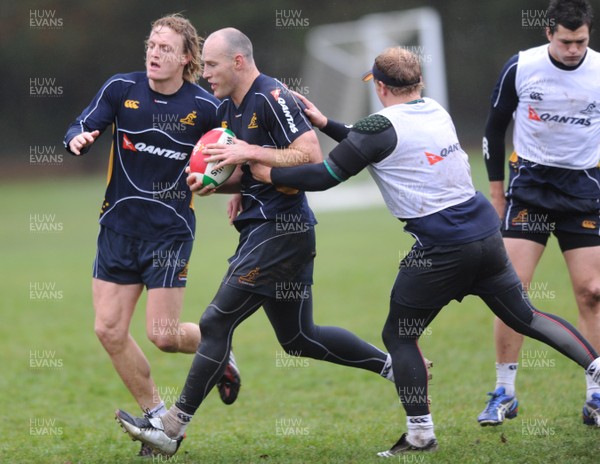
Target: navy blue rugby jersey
{"points": [[268, 116], [153, 137]]}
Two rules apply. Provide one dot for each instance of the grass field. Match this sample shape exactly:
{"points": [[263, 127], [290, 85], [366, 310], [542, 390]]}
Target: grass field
{"points": [[59, 389]]}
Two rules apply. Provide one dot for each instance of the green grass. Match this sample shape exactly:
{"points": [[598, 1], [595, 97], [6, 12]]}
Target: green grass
{"points": [[64, 414]]}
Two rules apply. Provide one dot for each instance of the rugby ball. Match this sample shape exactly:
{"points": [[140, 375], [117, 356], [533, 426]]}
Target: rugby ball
{"points": [[205, 172]]}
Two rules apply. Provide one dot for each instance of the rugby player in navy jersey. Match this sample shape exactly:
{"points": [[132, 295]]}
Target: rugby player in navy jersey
{"points": [[412, 152], [553, 94], [147, 222], [276, 249]]}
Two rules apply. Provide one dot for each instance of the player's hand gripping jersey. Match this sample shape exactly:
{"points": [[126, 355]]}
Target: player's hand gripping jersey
{"points": [[270, 117], [153, 136]]}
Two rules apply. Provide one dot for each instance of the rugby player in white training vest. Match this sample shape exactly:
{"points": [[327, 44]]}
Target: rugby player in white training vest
{"points": [[412, 152], [553, 93]]}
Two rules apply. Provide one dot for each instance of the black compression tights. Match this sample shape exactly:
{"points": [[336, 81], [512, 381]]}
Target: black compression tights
{"points": [[295, 331], [404, 326]]}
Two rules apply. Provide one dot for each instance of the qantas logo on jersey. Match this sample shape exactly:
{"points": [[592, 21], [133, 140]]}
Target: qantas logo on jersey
{"points": [[154, 150], [548, 117], [433, 158], [127, 145], [533, 115], [286, 110]]}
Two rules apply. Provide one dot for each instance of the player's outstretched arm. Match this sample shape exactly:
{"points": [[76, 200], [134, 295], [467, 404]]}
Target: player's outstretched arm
{"points": [[307, 177], [363, 146], [312, 176]]}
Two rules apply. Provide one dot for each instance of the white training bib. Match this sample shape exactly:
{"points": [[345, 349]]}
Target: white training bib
{"points": [[428, 151], [557, 120]]}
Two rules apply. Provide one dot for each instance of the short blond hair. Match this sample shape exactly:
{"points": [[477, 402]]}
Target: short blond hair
{"points": [[402, 65], [192, 43]]}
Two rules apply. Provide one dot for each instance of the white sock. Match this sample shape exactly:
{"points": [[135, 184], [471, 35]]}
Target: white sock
{"points": [[592, 387], [387, 372], [157, 411], [506, 374], [592, 376], [420, 429], [175, 421]]}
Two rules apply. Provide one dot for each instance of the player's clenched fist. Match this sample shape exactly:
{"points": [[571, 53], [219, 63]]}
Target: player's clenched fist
{"points": [[82, 140]]}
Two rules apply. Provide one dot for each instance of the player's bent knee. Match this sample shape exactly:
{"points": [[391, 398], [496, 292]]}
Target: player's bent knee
{"points": [[212, 324], [167, 342], [589, 299], [393, 337], [112, 339], [389, 336]]}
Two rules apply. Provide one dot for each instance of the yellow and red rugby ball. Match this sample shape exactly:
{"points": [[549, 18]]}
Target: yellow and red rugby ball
{"points": [[205, 172]]}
